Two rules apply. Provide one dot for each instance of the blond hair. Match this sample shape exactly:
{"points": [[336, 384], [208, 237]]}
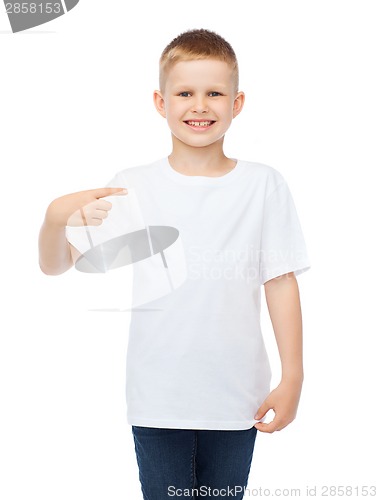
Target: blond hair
{"points": [[197, 44]]}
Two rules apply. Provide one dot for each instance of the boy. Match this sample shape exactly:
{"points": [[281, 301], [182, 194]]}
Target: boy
{"points": [[198, 377]]}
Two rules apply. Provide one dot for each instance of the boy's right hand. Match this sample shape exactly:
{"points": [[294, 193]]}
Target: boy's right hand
{"points": [[84, 208]]}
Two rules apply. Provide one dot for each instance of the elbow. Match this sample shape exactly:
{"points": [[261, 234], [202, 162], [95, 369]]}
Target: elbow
{"points": [[52, 271]]}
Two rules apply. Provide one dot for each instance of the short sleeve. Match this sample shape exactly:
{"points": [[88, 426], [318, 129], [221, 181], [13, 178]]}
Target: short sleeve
{"points": [[283, 248]]}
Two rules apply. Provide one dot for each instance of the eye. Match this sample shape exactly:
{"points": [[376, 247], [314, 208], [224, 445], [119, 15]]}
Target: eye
{"points": [[184, 94], [214, 94]]}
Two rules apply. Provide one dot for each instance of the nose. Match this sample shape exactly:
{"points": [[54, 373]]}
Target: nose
{"points": [[200, 105]]}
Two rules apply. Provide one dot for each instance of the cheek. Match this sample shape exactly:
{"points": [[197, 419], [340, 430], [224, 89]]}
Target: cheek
{"points": [[225, 109], [170, 109], [175, 113]]}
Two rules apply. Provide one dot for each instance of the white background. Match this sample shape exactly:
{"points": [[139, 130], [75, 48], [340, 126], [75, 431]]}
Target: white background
{"points": [[76, 107]]}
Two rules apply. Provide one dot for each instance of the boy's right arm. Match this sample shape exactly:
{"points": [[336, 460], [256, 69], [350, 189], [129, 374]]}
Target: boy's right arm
{"points": [[85, 208]]}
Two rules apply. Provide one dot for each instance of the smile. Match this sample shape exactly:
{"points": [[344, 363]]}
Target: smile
{"points": [[203, 124]]}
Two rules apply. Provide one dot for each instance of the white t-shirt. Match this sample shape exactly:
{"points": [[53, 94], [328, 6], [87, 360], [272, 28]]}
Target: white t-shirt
{"points": [[196, 358]]}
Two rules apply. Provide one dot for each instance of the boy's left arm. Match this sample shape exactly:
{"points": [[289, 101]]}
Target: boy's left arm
{"points": [[283, 300]]}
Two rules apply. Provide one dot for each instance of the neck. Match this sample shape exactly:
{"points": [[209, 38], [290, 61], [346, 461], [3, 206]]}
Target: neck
{"points": [[209, 160]]}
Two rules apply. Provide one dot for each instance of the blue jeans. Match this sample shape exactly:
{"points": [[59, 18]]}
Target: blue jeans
{"points": [[186, 463]]}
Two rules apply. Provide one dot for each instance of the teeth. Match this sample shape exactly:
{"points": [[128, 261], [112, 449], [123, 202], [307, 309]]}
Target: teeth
{"points": [[200, 124]]}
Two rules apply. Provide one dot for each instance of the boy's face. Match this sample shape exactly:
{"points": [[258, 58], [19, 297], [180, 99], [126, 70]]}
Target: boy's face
{"points": [[199, 101]]}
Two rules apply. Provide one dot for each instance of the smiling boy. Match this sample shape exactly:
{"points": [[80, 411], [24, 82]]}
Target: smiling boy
{"points": [[198, 375], [199, 99]]}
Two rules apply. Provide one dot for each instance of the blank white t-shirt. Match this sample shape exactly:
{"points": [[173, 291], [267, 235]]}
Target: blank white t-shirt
{"points": [[196, 357]]}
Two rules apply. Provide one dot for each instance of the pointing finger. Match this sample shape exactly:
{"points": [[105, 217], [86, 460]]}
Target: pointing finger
{"points": [[102, 192]]}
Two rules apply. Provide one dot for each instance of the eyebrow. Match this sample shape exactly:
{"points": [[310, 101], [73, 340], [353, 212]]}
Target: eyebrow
{"points": [[186, 86]]}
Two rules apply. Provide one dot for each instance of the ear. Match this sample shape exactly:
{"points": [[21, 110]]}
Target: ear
{"points": [[238, 103], [159, 102]]}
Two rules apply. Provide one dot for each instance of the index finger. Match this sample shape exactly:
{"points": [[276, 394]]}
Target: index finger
{"points": [[102, 192]]}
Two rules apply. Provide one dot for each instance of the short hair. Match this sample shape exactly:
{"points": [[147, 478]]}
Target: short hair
{"points": [[197, 44]]}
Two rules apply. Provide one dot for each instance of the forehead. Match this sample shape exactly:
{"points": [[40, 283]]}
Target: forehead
{"points": [[200, 72]]}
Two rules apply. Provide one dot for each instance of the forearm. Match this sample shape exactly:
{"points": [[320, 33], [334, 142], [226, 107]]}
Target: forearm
{"points": [[54, 250], [56, 255], [283, 300]]}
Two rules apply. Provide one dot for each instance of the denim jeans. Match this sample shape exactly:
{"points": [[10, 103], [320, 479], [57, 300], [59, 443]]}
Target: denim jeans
{"points": [[189, 463]]}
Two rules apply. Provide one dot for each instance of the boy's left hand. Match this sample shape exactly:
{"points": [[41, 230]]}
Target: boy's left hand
{"points": [[283, 400]]}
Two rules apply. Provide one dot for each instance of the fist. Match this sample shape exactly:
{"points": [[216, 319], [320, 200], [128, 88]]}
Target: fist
{"points": [[84, 208]]}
